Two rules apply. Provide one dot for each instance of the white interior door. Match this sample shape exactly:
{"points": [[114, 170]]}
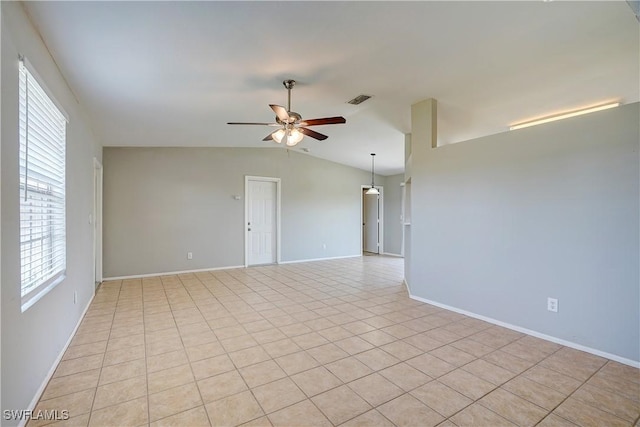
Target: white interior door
{"points": [[261, 222], [370, 222]]}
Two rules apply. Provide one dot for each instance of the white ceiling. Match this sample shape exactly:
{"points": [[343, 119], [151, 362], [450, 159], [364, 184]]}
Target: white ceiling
{"points": [[173, 73]]}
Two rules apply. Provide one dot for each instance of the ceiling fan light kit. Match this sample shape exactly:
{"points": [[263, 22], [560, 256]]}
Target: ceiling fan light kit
{"points": [[291, 126], [291, 136]]}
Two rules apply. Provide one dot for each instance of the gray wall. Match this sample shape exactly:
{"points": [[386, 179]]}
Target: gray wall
{"points": [[501, 223], [31, 341], [392, 213], [160, 203]]}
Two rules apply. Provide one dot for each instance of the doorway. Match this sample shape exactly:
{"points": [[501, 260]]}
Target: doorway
{"points": [[97, 221], [372, 214], [262, 220]]}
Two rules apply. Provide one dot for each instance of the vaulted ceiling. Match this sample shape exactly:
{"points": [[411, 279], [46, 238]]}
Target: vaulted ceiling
{"points": [[173, 73]]}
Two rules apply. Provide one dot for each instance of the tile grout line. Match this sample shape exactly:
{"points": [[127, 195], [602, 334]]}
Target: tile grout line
{"points": [[146, 366], [267, 283], [583, 402], [105, 352]]}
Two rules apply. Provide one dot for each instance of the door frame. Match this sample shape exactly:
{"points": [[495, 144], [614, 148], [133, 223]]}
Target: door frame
{"points": [[98, 177], [380, 217], [248, 178]]}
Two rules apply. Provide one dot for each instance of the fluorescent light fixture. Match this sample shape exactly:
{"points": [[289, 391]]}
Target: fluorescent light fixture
{"points": [[564, 116]]}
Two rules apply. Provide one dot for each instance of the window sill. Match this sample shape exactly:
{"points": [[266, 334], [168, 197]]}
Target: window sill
{"points": [[35, 296]]}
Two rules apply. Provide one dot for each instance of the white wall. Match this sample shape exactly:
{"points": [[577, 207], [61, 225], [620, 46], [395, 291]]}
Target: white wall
{"points": [[32, 341], [160, 203], [500, 223], [392, 213]]}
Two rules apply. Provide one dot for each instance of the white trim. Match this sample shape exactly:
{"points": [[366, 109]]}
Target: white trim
{"points": [[38, 394], [403, 209], [171, 273], [248, 178], [623, 360], [406, 285], [44, 87], [98, 174], [34, 296], [321, 259], [230, 267], [380, 217], [392, 254]]}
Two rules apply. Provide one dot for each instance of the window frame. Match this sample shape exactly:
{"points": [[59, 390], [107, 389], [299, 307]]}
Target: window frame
{"points": [[44, 193]]}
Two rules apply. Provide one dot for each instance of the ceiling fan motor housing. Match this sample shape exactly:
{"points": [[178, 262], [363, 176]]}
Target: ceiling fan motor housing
{"points": [[293, 118]]}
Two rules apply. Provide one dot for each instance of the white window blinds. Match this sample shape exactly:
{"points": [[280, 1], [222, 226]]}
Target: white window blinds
{"points": [[42, 190]]}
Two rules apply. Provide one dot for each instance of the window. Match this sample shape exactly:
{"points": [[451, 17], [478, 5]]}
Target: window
{"points": [[42, 190]]}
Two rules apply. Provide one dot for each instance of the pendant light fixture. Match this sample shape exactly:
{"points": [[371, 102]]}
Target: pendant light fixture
{"points": [[373, 189]]}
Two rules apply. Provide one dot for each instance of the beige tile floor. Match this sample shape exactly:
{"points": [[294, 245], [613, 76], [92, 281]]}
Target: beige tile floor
{"points": [[319, 344]]}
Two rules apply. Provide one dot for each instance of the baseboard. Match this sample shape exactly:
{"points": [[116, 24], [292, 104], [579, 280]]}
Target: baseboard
{"points": [[320, 259], [623, 360], [171, 273], [38, 395], [230, 267], [406, 285], [392, 254]]}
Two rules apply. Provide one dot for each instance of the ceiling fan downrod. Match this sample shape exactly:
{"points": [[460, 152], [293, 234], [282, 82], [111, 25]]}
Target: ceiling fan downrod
{"points": [[289, 84]]}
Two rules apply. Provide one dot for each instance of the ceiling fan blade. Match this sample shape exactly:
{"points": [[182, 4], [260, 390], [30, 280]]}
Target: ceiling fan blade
{"points": [[324, 121], [281, 112], [251, 123], [313, 134], [270, 136]]}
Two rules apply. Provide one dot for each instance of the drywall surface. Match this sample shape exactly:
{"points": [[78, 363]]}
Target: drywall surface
{"points": [[33, 340], [501, 223], [160, 203], [392, 213]]}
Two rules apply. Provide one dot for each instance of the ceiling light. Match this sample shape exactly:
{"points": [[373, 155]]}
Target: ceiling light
{"points": [[563, 116], [293, 137], [278, 135], [373, 189]]}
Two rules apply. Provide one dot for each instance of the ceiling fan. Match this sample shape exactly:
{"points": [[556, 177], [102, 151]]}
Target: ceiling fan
{"points": [[291, 127]]}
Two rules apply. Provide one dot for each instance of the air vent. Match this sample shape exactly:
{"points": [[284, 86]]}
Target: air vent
{"points": [[359, 99]]}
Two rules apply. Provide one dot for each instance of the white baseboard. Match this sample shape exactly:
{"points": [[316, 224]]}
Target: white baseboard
{"points": [[171, 273], [320, 259], [392, 254], [623, 360], [38, 394], [230, 267]]}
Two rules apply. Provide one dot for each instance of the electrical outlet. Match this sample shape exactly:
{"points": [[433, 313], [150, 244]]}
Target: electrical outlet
{"points": [[189, 255], [552, 304], [324, 246]]}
